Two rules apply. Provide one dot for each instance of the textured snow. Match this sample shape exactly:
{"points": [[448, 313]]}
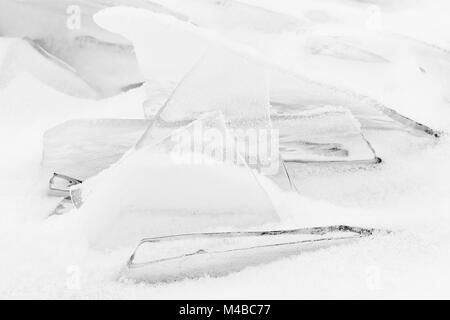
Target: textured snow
{"points": [[408, 193]]}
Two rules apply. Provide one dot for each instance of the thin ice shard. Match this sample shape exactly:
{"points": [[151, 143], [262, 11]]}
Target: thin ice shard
{"points": [[222, 81], [178, 257], [291, 93], [228, 82]]}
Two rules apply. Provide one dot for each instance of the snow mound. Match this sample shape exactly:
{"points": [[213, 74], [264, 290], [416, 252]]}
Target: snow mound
{"points": [[221, 81], [163, 188]]}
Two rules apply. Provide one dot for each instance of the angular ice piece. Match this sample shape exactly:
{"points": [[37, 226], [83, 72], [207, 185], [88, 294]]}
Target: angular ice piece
{"points": [[228, 82], [291, 93], [164, 187], [222, 81], [329, 134], [178, 257], [59, 185]]}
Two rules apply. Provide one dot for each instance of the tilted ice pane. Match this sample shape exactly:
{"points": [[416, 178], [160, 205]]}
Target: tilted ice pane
{"points": [[217, 254], [325, 134], [222, 81], [290, 93]]}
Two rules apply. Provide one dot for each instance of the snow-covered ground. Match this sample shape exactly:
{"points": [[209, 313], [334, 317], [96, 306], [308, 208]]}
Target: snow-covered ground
{"points": [[397, 52]]}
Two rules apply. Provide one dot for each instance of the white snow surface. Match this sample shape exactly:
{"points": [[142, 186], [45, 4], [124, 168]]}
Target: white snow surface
{"points": [[408, 194]]}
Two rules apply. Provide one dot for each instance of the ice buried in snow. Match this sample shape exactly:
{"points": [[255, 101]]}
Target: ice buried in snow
{"points": [[158, 124]]}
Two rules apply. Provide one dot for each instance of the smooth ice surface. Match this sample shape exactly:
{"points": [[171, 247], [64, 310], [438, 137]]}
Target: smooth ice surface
{"points": [[197, 255]]}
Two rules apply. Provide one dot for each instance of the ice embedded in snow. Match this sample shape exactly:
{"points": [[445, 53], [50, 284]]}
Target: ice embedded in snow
{"points": [[291, 93], [328, 134], [164, 188], [172, 258], [222, 81]]}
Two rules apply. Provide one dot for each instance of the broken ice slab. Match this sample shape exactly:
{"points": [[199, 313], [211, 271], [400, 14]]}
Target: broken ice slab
{"points": [[329, 134], [291, 93], [178, 257], [225, 81]]}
